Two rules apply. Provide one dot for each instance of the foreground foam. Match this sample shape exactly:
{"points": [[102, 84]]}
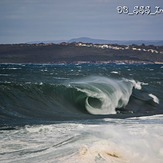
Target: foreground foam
{"points": [[122, 143]]}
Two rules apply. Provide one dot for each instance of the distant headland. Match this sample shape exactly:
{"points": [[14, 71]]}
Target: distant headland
{"points": [[80, 52]]}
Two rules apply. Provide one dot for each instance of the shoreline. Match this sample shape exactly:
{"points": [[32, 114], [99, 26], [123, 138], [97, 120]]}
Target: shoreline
{"points": [[78, 53], [128, 62]]}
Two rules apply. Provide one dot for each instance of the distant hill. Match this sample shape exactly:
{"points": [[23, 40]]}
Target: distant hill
{"points": [[101, 41], [129, 42], [47, 42]]}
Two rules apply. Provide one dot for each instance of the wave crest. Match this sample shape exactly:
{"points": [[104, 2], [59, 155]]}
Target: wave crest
{"points": [[104, 95]]}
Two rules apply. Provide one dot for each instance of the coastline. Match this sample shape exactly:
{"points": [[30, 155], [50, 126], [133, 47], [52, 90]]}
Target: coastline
{"points": [[118, 62], [80, 53]]}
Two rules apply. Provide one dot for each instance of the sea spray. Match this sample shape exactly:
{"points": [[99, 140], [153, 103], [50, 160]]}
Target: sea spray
{"points": [[107, 93]]}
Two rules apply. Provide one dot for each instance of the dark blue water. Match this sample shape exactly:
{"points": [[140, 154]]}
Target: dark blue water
{"points": [[34, 94]]}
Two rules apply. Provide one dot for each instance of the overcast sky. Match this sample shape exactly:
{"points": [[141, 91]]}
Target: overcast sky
{"points": [[45, 20]]}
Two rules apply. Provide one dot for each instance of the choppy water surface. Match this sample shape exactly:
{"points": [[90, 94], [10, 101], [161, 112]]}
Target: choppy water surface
{"points": [[81, 113]]}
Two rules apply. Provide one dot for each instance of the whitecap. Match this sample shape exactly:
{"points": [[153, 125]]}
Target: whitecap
{"points": [[155, 99], [115, 72]]}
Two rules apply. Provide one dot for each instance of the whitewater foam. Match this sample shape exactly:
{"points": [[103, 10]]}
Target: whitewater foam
{"points": [[118, 141], [155, 99], [115, 72], [110, 92]]}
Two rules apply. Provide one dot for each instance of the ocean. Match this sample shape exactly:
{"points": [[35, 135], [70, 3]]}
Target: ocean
{"points": [[90, 113]]}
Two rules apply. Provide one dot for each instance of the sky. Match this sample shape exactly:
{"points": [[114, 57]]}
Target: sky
{"points": [[24, 21]]}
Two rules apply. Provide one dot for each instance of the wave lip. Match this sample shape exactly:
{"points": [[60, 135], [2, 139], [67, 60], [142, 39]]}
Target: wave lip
{"points": [[104, 95]]}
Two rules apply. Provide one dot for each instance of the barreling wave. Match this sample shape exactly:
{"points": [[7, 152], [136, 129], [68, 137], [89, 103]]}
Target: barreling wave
{"points": [[75, 99], [104, 95]]}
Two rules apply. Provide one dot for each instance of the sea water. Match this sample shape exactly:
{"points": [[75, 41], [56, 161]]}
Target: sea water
{"points": [[81, 113]]}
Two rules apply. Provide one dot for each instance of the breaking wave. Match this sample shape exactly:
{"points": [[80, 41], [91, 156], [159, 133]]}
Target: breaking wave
{"points": [[74, 99], [103, 95]]}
